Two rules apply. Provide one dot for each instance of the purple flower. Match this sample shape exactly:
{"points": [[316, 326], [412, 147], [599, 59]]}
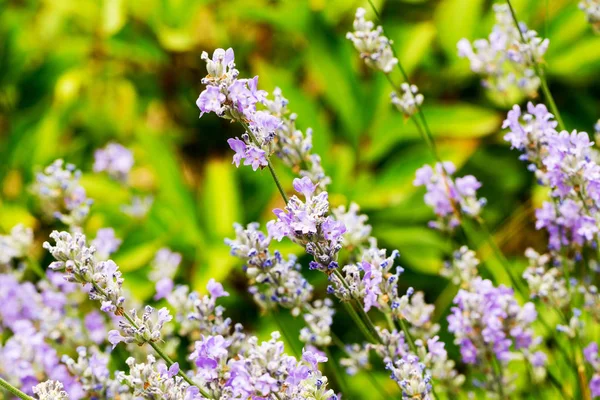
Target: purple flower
{"points": [[115, 337], [163, 288], [468, 352], [266, 384], [255, 157], [239, 147], [216, 289], [591, 353], [114, 159], [105, 243], [94, 324], [168, 372], [595, 385], [448, 197], [211, 100], [209, 351], [305, 186], [332, 229], [313, 358], [489, 317]]}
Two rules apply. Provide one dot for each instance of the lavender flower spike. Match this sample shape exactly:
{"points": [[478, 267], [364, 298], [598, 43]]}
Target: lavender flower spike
{"points": [[372, 45], [115, 159]]}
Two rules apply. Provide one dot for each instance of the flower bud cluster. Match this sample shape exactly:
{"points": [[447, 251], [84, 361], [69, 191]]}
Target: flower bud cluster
{"points": [[449, 197], [506, 60], [115, 159], [60, 195], [274, 280], [308, 224], [15, 246], [374, 47]]}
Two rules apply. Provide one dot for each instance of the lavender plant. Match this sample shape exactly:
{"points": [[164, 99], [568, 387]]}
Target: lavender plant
{"points": [[64, 332]]}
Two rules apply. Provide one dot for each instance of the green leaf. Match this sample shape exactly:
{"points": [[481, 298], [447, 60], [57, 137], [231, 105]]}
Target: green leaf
{"points": [[421, 247], [457, 19], [134, 258], [220, 199], [457, 120]]}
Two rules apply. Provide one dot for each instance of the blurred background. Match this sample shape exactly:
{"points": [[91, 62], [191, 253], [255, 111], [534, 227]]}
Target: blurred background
{"points": [[75, 75]]}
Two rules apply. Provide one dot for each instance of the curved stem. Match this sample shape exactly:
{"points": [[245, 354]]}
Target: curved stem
{"points": [[271, 169], [539, 73], [13, 390], [159, 351]]}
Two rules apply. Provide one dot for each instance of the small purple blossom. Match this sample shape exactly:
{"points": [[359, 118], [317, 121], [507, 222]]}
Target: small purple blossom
{"points": [[211, 100], [115, 159]]}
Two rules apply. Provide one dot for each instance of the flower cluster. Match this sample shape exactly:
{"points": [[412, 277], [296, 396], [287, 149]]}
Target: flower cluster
{"points": [[154, 380], [318, 318], [15, 246], [505, 60], [358, 232], [293, 146], [462, 269], [308, 224], [274, 280], [236, 99], [115, 159], [412, 377], [450, 198], [546, 283], [591, 8], [564, 162], [50, 390], [374, 48], [140, 330], [201, 314], [370, 280], [105, 243], [488, 322], [409, 101], [60, 195], [76, 259], [258, 370]]}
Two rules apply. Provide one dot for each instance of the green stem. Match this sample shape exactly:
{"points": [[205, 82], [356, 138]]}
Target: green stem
{"points": [[13, 390], [35, 267], [340, 345], [366, 321], [338, 375], [424, 131], [271, 169], [359, 322], [539, 73], [411, 342], [158, 350], [285, 333]]}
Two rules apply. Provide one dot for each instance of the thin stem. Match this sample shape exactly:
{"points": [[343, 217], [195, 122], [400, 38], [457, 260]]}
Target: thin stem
{"points": [[285, 333], [271, 169], [339, 376], [425, 132], [411, 342], [13, 390], [359, 322], [337, 341], [363, 315], [539, 72], [35, 267], [158, 350]]}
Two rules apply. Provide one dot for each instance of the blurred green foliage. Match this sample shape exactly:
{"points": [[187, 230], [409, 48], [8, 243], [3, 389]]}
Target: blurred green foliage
{"points": [[77, 74]]}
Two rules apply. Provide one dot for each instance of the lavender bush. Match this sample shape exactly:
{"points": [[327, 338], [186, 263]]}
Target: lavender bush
{"points": [[75, 324]]}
